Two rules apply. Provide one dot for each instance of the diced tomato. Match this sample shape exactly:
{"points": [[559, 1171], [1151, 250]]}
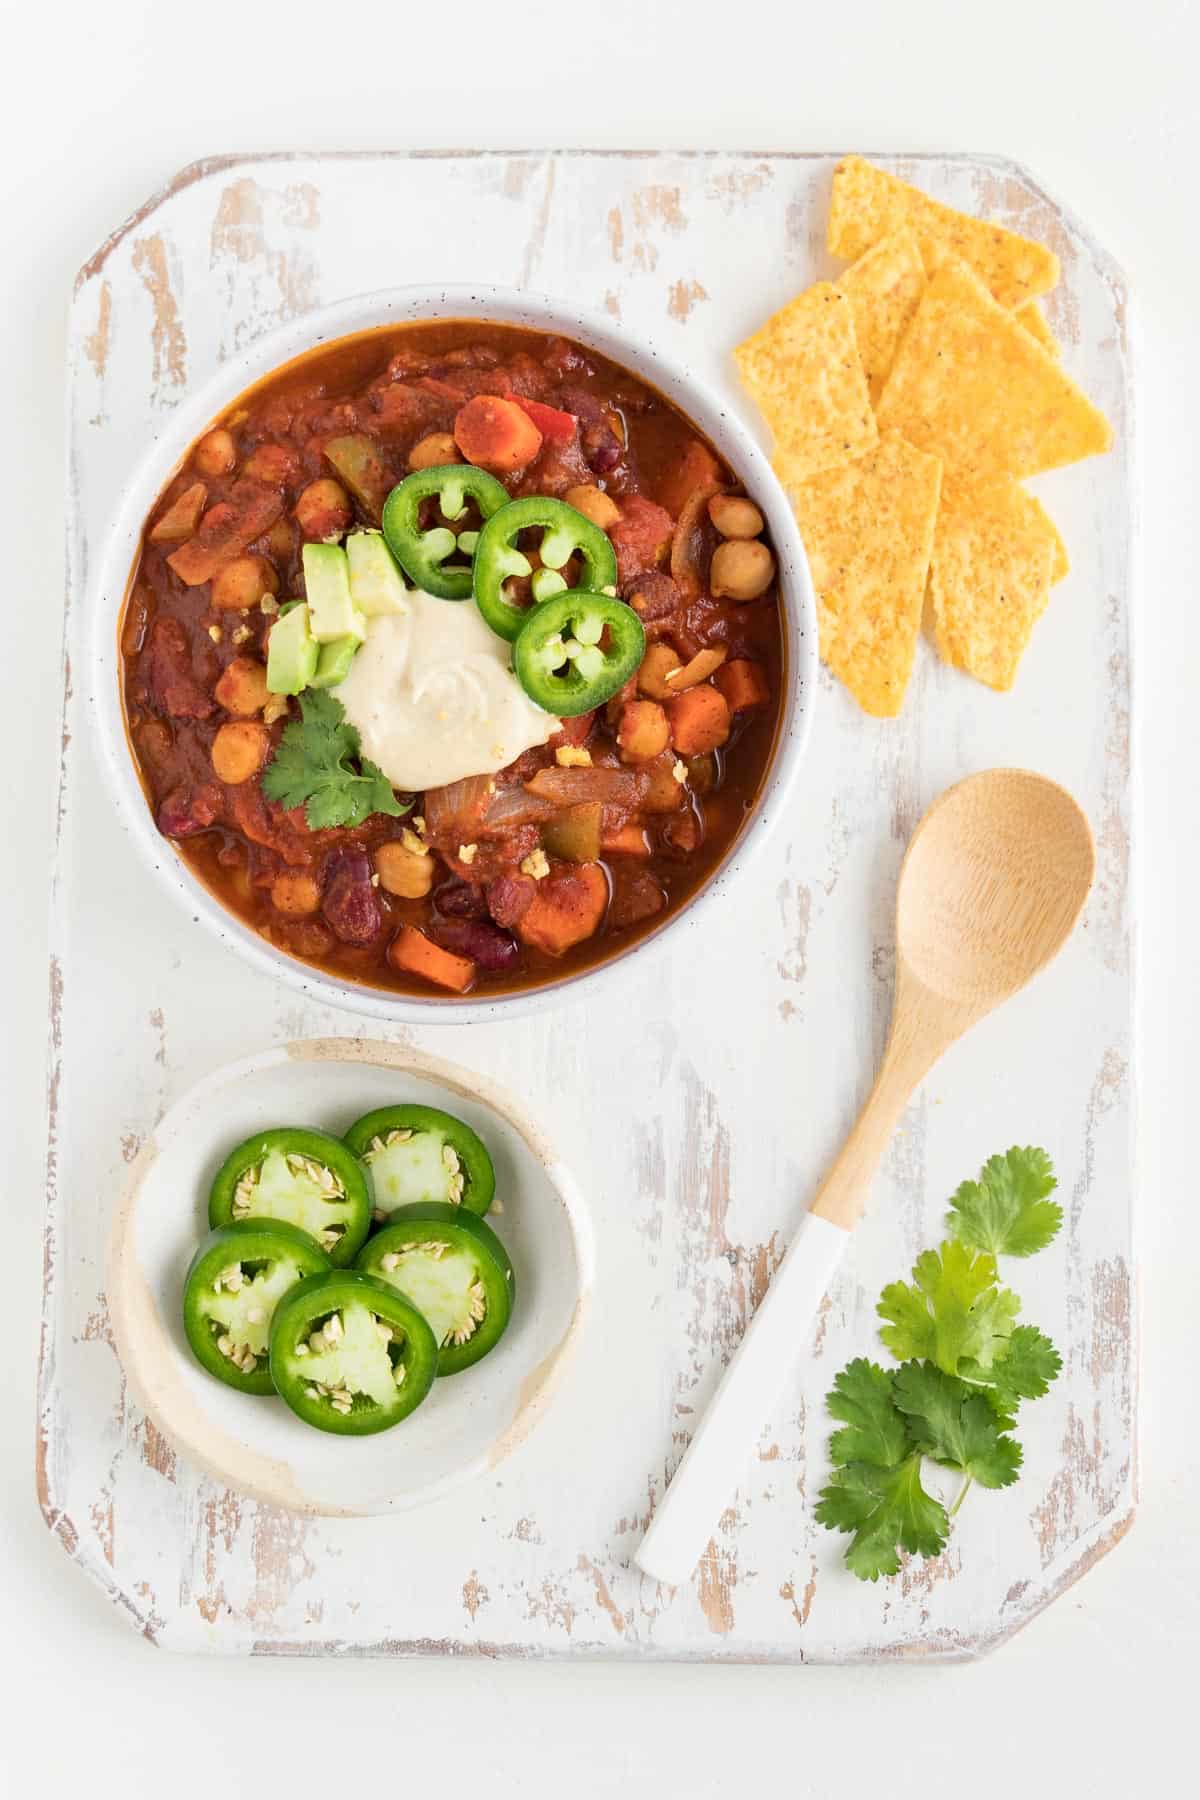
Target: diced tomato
{"points": [[696, 468], [641, 537], [555, 426], [574, 731]]}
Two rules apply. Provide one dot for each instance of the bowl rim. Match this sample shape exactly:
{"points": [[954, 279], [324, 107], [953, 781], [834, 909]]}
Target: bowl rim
{"points": [[372, 311], [135, 1317]]}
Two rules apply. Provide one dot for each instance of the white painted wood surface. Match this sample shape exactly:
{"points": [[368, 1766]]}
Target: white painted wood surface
{"points": [[702, 1098]]}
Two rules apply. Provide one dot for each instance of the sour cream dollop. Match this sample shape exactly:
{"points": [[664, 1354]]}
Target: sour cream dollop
{"points": [[434, 699]]}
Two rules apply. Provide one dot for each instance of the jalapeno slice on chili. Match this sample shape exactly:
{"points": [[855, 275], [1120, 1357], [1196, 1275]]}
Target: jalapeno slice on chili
{"points": [[455, 1271], [307, 1178], [350, 1354], [565, 533], [575, 651], [236, 1280], [418, 1153], [435, 559]]}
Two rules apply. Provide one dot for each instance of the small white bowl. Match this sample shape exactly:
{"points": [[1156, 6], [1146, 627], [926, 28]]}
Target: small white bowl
{"points": [[397, 306], [470, 1421]]}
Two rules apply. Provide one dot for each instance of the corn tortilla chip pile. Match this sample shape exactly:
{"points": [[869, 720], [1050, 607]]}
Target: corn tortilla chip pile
{"points": [[907, 401]]}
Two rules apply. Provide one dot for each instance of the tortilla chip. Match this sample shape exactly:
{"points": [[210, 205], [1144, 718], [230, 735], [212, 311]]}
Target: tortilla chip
{"points": [[1060, 563], [883, 287], [993, 562], [970, 384], [1033, 319], [867, 205], [868, 529], [804, 371]]}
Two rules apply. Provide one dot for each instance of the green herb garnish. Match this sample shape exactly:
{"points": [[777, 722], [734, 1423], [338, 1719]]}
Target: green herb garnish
{"points": [[966, 1366], [319, 765]]}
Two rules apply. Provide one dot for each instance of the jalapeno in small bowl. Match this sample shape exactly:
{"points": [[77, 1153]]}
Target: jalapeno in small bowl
{"points": [[418, 1153], [350, 1354], [455, 1270], [307, 1178], [236, 1280], [566, 533]]}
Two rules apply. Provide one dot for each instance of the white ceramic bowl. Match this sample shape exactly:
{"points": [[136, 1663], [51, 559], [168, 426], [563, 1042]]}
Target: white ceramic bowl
{"points": [[470, 1421], [393, 307]]}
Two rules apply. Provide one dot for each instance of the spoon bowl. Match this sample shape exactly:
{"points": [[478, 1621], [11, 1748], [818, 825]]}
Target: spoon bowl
{"points": [[993, 883]]}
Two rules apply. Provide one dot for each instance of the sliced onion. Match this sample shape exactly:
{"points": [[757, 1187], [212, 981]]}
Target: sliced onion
{"points": [[456, 806], [692, 544], [575, 787], [702, 665]]}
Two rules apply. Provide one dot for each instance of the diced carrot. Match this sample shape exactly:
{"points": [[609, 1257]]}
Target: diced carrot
{"points": [[181, 517], [413, 952], [696, 468], [567, 908], [629, 840], [744, 684], [699, 720], [555, 426], [496, 434]]}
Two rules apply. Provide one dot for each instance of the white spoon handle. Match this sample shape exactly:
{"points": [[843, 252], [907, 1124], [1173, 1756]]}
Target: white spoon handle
{"points": [[760, 1369]]}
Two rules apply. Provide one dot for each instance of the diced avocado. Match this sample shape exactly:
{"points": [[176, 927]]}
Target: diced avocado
{"points": [[292, 652], [333, 664], [332, 613], [376, 584]]}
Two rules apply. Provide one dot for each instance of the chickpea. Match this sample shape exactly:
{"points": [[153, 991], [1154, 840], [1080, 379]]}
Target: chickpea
{"points": [[295, 894], [402, 872], [323, 510], [657, 664], [594, 505], [239, 751], [734, 516], [281, 540], [215, 454], [644, 731], [272, 464], [742, 569], [242, 688], [242, 582], [432, 451]]}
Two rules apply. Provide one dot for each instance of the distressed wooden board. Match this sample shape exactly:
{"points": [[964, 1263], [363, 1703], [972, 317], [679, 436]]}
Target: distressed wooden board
{"points": [[702, 1099]]}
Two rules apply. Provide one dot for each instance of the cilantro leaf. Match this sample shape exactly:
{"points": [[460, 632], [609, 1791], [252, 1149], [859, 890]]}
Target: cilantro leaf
{"points": [[954, 1426], [1006, 1211], [1024, 1372], [872, 1431], [887, 1509], [953, 1311], [314, 767]]}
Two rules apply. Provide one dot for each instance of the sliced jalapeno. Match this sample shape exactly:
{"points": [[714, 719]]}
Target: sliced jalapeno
{"points": [[417, 1153], [565, 533], [236, 1280], [455, 1271], [307, 1178], [574, 651], [425, 556], [350, 1354]]}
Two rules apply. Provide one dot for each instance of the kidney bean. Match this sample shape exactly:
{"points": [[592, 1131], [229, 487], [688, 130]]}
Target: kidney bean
{"points": [[493, 949], [509, 897], [185, 812], [460, 900], [350, 904]]}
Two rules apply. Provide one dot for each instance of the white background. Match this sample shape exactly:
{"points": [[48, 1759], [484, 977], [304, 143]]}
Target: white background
{"points": [[101, 104]]}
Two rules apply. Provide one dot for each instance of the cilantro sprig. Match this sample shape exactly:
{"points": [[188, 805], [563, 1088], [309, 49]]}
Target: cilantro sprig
{"points": [[966, 1367], [319, 765]]}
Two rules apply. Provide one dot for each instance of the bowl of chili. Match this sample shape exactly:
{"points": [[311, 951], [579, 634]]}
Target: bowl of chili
{"points": [[626, 554]]}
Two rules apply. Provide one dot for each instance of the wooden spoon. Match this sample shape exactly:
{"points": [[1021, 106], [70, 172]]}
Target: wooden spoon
{"points": [[993, 881]]}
